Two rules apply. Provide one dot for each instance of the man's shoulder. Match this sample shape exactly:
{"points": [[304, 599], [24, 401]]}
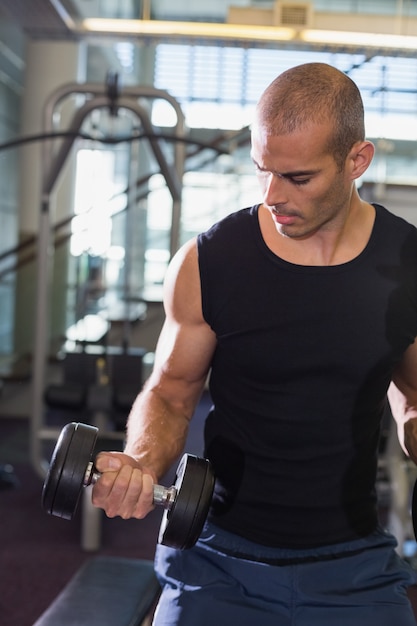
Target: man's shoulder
{"points": [[389, 219]]}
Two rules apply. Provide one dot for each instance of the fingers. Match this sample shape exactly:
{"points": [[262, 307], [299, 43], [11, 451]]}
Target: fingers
{"points": [[123, 489]]}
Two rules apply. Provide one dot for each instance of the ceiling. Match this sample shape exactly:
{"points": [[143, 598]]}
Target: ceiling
{"points": [[61, 18], [66, 18], [39, 18]]}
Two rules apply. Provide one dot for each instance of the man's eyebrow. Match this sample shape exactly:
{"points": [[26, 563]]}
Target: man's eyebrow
{"points": [[294, 174], [297, 173]]}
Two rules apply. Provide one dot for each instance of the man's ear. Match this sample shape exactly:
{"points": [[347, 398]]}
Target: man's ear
{"points": [[360, 157]]}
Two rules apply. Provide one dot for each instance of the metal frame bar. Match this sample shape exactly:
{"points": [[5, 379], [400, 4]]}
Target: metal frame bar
{"points": [[96, 97]]}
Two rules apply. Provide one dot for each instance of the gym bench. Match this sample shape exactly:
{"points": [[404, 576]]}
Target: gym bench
{"points": [[106, 591]]}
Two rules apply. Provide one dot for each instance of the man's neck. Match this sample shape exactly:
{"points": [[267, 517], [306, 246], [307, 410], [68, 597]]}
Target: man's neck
{"points": [[328, 246]]}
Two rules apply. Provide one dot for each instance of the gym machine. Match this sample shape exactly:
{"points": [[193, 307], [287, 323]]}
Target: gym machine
{"points": [[114, 99], [95, 96]]}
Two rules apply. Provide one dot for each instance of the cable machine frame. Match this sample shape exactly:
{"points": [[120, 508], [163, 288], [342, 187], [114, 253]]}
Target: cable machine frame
{"points": [[97, 97]]}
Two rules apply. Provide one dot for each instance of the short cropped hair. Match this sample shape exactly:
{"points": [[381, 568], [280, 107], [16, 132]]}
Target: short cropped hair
{"points": [[315, 92]]}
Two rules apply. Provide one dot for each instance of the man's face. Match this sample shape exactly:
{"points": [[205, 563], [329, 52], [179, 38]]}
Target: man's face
{"points": [[302, 186]]}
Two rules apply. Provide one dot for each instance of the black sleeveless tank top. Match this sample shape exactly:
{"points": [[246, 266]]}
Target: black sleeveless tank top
{"points": [[299, 379]]}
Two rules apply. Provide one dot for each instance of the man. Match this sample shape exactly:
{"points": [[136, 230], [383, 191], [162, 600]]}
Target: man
{"points": [[303, 309]]}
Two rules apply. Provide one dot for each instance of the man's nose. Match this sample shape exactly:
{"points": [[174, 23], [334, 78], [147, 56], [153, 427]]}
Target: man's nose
{"points": [[274, 192]]}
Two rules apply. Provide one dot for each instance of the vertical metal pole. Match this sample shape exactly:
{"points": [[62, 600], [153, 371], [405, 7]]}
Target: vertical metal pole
{"points": [[129, 226], [179, 156], [41, 334], [177, 203], [146, 9], [91, 523]]}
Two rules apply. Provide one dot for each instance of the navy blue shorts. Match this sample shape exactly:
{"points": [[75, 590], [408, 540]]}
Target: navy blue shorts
{"points": [[360, 583]]}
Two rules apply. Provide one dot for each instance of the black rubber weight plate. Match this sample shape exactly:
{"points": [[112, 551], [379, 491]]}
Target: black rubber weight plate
{"points": [[182, 525], [64, 481]]}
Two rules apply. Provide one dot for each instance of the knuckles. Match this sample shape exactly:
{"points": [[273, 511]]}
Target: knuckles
{"points": [[121, 493]]}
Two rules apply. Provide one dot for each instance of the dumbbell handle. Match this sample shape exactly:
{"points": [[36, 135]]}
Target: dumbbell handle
{"points": [[164, 496]]}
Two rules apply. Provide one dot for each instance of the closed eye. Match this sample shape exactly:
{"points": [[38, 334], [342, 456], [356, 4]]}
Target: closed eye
{"points": [[298, 181]]}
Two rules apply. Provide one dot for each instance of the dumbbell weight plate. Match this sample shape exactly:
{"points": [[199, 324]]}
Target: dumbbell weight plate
{"points": [[181, 525], [64, 481]]}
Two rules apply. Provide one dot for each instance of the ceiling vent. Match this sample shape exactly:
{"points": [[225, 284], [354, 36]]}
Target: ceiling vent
{"points": [[293, 14]]}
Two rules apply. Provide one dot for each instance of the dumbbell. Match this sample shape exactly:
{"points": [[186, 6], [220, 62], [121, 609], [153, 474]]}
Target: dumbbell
{"points": [[186, 502]]}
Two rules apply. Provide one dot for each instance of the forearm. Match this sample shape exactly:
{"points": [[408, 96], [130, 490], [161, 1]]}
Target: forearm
{"points": [[157, 429], [158, 422]]}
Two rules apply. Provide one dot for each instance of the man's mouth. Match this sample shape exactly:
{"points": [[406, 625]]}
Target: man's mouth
{"points": [[282, 218]]}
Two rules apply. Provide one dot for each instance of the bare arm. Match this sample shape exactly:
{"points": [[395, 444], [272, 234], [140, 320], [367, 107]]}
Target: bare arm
{"points": [[158, 422], [402, 395]]}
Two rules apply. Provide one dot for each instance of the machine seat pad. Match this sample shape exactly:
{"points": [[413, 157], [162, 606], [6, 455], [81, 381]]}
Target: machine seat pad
{"points": [[105, 591]]}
